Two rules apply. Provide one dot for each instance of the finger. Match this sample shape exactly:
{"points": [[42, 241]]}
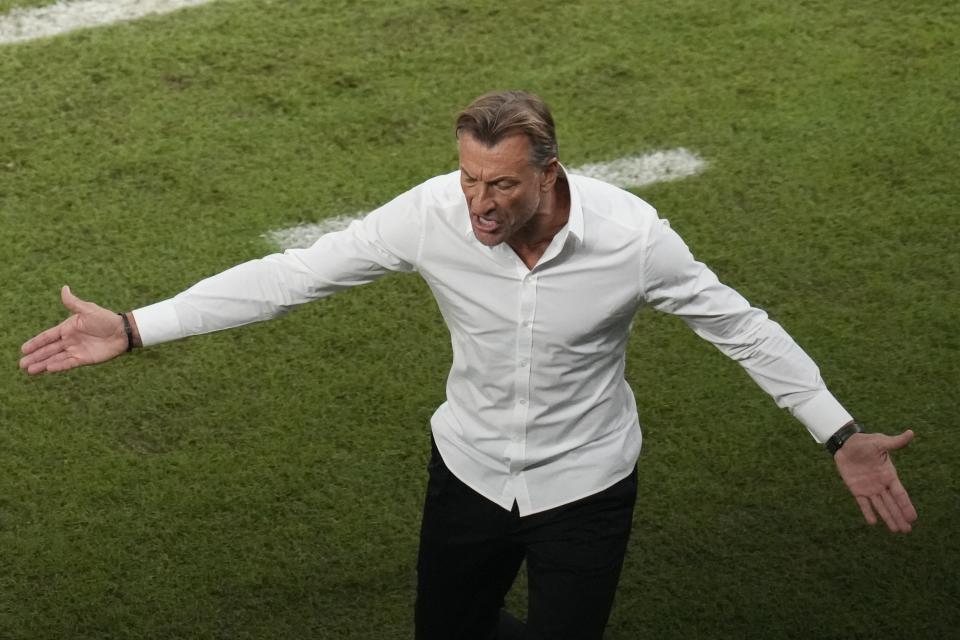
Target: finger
{"points": [[867, 510], [892, 443], [61, 362], [41, 354], [877, 502], [37, 367], [48, 363], [72, 302], [41, 339], [903, 501], [902, 525]]}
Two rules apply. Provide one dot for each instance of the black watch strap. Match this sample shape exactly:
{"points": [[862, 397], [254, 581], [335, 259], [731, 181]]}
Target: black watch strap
{"points": [[843, 434]]}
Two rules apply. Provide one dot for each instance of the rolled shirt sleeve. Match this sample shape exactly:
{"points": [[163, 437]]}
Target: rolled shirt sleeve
{"points": [[675, 283]]}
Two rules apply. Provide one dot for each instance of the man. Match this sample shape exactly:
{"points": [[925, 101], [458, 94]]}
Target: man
{"points": [[538, 275]]}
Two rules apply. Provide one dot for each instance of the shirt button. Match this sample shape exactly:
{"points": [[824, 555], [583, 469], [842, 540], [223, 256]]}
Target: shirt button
{"points": [[527, 323], [523, 401], [524, 363]]}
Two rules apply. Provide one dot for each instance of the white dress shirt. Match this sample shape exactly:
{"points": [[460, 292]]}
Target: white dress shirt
{"points": [[537, 409]]}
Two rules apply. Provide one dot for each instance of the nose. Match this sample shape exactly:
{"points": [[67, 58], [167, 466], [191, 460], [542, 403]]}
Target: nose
{"points": [[480, 201]]}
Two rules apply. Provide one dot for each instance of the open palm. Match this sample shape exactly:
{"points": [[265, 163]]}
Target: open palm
{"points": [[865, 466], [90, 335]]}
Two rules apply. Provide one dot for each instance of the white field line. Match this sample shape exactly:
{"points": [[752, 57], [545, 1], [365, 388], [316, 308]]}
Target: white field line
{"points": [[639, 171], [635, 171], [304, 235], [21, 25]]}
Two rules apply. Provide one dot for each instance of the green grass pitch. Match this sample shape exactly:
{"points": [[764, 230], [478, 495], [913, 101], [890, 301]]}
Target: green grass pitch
{"points": [[266, 483]]}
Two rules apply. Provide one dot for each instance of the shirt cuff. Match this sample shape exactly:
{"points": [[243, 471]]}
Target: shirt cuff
{"points": [[158, 323], [822, 415]]}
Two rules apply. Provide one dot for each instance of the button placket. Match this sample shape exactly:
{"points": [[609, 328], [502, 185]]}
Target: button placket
{"points": [[522, 360]]}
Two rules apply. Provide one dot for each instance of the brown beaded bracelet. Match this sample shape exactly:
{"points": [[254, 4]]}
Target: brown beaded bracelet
{"points": [[129, 330]]}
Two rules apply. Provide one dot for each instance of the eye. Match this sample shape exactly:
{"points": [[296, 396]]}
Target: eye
{"points": [[505, 185]]}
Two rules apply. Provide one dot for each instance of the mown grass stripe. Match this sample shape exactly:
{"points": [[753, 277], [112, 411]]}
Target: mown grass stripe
{"points": [[22, 25], [633, 171]]}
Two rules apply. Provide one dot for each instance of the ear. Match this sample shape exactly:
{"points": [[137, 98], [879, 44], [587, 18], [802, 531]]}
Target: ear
{"points": [[550, 174]]}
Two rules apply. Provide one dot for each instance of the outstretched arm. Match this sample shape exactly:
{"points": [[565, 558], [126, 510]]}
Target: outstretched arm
{"points": [[677, 284], [90, 335], [386, 240], [865, 466]]}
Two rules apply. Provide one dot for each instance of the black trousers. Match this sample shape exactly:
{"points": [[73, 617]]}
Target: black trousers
{"points": [[471, 550]]}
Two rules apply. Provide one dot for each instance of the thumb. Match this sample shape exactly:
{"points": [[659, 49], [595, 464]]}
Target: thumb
{"points": [[892, 443], [72, 302]]}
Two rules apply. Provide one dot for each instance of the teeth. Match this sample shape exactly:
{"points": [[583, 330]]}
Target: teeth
{"points": [[486, 222]]}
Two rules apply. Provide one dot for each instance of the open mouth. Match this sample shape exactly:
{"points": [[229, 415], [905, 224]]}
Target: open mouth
{"points": [[485, 224]]}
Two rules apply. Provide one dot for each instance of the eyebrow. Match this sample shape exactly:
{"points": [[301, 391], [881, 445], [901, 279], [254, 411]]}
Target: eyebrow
{"points": [[494, 180]]}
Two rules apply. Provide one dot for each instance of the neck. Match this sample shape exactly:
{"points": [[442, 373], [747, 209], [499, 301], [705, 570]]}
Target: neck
{"points": [[532, 241]]}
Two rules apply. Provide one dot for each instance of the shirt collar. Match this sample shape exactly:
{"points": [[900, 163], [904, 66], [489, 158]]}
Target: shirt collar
{"points": [[575, 221], [574, 224]]}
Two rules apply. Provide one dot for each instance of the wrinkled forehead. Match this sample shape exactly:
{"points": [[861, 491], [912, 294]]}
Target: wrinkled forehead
{"points": [[510, 155]]}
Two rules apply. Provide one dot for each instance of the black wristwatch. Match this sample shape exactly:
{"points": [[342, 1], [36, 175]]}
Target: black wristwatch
{"points": [[843, 434]]}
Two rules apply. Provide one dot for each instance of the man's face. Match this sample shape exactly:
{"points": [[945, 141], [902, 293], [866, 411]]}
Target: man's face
{"points": [[503, 190]]}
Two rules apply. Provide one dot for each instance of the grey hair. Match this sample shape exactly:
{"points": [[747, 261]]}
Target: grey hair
{"points": [[495, 116]]}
